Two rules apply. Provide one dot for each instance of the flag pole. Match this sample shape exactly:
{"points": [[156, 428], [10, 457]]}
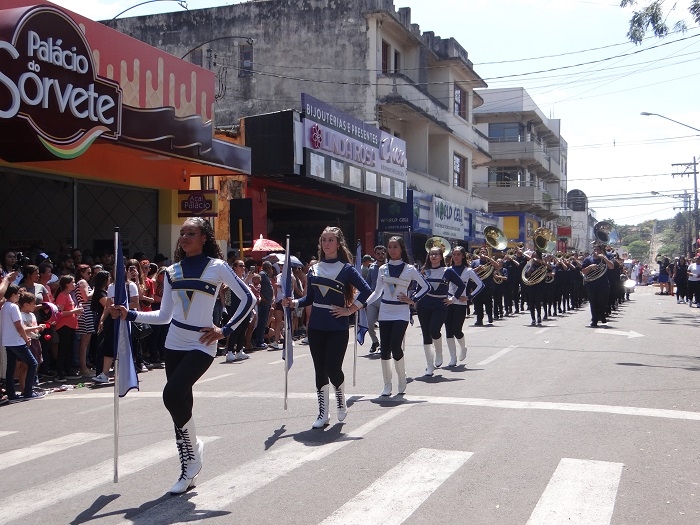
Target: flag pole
{"points": [[286, 333], [116, 389]]}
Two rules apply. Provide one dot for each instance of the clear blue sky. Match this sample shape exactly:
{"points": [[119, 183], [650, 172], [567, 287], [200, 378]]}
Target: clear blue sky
{"points": [[574, 59]]}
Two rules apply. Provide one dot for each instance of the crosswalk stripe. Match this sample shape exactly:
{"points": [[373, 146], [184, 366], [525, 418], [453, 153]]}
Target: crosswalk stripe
{"points": [[392, 498], [496, 355], [580, 492], [216, 493], [215, 378], [15, 457], [42, 496], [4, 433]]}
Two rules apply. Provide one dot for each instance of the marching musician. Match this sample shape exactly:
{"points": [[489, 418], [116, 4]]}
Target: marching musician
{"points": [[593, 269], [485, 299], [535, 285]]}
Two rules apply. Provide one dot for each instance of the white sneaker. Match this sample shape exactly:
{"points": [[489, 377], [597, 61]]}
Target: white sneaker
{"points": [[101, 378], [276, 346], [305, 341], [230, 357], [241, 356]]}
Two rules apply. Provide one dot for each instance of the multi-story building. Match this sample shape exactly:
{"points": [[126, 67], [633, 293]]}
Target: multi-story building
{"points": [[525, 179], [366, 60]]}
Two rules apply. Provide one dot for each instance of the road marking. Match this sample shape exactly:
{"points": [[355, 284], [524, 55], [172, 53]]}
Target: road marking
{"points": [[59, 489], [280, 361], [392, 498], [223, 490], [580, 492], [496, 355], [543, 330], [629, 335], [20, 455], [215, 378], [122, 402], [437, 400], [4, 433]]}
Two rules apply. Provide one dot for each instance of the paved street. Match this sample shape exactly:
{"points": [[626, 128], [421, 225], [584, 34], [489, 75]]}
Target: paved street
{"points": [[543, 426]]}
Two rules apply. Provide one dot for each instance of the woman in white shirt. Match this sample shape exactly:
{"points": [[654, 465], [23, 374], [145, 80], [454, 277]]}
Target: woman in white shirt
{"points": [[190, 289], [393, 280]]}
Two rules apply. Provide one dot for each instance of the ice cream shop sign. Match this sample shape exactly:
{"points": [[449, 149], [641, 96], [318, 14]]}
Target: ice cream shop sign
{"points": [[49, 87]]}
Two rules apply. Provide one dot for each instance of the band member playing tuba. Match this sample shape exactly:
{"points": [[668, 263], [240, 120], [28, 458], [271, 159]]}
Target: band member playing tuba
{"points": [[485, 299], [593, 269]]}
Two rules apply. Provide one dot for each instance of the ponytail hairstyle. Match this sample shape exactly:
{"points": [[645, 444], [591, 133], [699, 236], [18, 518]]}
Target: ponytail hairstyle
{"points": [[63, 282], [210, 248]]}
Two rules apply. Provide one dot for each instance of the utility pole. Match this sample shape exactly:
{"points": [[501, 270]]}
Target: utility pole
{"points": [[694, 173]]}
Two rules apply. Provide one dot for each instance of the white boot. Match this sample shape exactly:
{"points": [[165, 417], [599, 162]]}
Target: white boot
{"points": [[428, 349], [462, 348], [400, 366], [340, 402], [437, 343], [386, 374], [323, 417], [452, 349], [190, 450]]}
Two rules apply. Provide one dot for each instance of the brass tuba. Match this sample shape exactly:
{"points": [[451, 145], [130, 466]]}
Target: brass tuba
{"points": [[531, 277], [496, 240], [602, 232], [543, 239], [439, 242]]}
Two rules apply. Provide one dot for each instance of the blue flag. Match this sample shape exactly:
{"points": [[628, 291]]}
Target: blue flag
{"points": [[126, 371], [288, 350], [362, 314]]}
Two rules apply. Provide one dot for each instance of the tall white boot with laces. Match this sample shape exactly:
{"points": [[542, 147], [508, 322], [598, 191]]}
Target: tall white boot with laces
{"points": [[340, 402], [190, 450], [323, 416]]}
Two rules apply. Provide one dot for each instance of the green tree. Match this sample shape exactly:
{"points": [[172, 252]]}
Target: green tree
{"points": [[653, 15], [639, 250]]}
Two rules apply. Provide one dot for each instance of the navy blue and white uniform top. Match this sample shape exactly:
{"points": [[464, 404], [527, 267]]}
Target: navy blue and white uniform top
{"points": [[466, 274], [439, 280], [393, 278], [326, 282], [190, 289]]}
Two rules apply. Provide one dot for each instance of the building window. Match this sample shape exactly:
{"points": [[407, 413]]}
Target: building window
{"points": [[506, 132], [245, 65], [460, 102], [385, 57], [397, 62], [459, 171], [506, 177]]}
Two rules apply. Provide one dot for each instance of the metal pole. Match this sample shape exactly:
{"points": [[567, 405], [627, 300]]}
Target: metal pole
{"points": [[695, 208]]}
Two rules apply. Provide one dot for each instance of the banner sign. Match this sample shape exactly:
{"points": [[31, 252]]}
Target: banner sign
{"points": [[448, 219], [198, 203]]}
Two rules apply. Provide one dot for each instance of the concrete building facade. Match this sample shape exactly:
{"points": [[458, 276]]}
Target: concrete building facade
{"points": [[364, 58]]}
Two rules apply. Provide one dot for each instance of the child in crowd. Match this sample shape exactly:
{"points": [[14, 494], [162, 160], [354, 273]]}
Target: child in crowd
{"points": [[27, 304], [14, 339]]}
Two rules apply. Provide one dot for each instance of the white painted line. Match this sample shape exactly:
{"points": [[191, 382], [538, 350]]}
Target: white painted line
{"points": [[215, 378], [543, 330], [437, 400], [221, 491], [296, 356], [4, 433], [110, 406], [20, 455], [496, 355], [629, 335], [59, 489], [391, 499], [580, 492]]}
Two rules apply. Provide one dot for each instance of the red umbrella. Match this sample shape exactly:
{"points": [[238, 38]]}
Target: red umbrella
{"points": [[267, 245]]}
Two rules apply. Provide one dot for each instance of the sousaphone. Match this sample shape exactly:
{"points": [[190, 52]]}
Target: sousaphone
{"points": [[439, 242]]}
